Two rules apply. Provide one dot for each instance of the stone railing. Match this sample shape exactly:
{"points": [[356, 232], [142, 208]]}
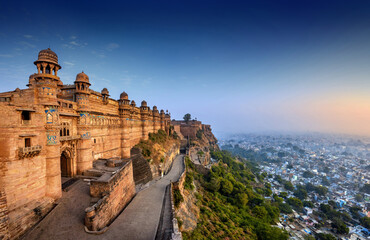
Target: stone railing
{"points": [[29, 151], [68, 138], [179, 184], [115, 192]]}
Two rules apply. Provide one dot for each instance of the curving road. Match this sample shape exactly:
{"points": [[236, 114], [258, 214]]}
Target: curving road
{"points": [[139, 221]]}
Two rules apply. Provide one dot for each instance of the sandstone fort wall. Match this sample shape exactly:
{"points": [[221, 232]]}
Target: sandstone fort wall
{"points": [[115, 194]]}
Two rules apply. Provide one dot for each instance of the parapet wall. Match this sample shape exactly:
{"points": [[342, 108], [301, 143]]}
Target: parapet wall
{"points": [[179, 184], [116, 193]]}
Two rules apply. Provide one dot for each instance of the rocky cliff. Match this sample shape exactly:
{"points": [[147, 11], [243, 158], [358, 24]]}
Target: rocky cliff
{"points": [[201, 142], [200, 137], [159, 152]]}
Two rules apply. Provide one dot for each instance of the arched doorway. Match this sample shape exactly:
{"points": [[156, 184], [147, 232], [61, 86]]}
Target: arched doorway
{"points": [[65, 165]]}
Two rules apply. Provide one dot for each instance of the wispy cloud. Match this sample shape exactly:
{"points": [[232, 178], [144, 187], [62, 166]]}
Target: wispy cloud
{"points": [[112, 46], [27, 44], [6, 55], [68, 63], [28, 36], [98, 54], [73, 43]]}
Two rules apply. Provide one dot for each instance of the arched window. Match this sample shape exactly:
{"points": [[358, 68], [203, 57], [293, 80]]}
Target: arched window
{"points": [[65, 130]]}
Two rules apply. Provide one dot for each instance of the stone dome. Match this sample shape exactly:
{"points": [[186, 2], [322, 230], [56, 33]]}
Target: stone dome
{"points": [[133, 103], [105, 91], [155, 108], [143, 103], [82, 77], [162, 111], [47, 55], [123, 95]]}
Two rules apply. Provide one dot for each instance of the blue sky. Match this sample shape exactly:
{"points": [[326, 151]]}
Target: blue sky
{"points": [[242, 66]]}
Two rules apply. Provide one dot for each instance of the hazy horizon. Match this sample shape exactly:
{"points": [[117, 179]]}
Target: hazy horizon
{"points": [[241, 66]]}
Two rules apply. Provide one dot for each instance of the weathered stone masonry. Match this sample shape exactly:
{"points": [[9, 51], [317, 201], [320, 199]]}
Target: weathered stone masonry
{"points": [[52, 130]]}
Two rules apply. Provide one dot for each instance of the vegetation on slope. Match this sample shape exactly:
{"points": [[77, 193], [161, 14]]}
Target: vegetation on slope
{"points": [[230, 207], [156, 145]]}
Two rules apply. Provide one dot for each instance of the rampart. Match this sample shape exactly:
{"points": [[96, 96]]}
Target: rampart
{"points": [[115, 192]]}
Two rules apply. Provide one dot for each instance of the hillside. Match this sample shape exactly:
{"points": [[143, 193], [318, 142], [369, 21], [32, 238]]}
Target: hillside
{"points": [[159, 151], [231, 205]]}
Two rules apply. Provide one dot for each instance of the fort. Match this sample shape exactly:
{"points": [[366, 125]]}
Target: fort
{"points": [[52, 132]]}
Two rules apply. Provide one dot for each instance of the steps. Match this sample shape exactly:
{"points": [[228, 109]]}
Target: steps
{"points": [[141, 169]]}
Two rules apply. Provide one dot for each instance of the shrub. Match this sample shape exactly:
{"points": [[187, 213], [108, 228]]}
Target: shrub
{"points": [[188, 184], [177, 197]]}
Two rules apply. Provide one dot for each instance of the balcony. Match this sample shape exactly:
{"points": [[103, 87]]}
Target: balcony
{"points": [[29, 151], [68, 138]]}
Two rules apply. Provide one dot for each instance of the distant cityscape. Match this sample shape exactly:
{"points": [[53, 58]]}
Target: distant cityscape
{"points": [[321, 182]]}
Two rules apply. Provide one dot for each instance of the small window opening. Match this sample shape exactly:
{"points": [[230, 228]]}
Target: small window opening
{"points": [[26, 115], [27, 142], [94, 140]]}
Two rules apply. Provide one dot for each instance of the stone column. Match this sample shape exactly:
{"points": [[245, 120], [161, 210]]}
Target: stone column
{"points": [[125, 138], [84, 149], [52, 148]]}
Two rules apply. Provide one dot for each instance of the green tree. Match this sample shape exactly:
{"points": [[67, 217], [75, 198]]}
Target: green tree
{"points": [[295, 203], [309, 237], [308, 204], [308, 174], [267, 232], [325, 236], [288, 186], [321, 190], [365, 221], [242, 199], [285, 208], [283, 194], [214, 184], [226, 187], [300, 193], [259, 211], [340, 226], [359, 197], [187, 117]]}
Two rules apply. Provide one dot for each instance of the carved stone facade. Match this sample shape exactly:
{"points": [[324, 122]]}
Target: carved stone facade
{"points": [[51, 130]]}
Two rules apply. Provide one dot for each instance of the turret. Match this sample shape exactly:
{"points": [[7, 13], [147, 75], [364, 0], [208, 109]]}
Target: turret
{"points": [[124, 105], [105, 95], [162, 119], [46, 84], [82, 90], [125, 114], [144, 112], [156, 119], [46, 78]]}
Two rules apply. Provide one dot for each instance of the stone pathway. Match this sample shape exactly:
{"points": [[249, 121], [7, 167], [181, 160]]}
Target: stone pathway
{"points": [[139, 221]]}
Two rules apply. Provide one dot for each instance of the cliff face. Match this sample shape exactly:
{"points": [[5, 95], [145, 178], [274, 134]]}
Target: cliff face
{"points": [[159, 152], [201, 142], [201, 139]]}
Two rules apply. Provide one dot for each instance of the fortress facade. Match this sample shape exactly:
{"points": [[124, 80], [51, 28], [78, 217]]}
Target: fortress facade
{"points": [[51, 132]]}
